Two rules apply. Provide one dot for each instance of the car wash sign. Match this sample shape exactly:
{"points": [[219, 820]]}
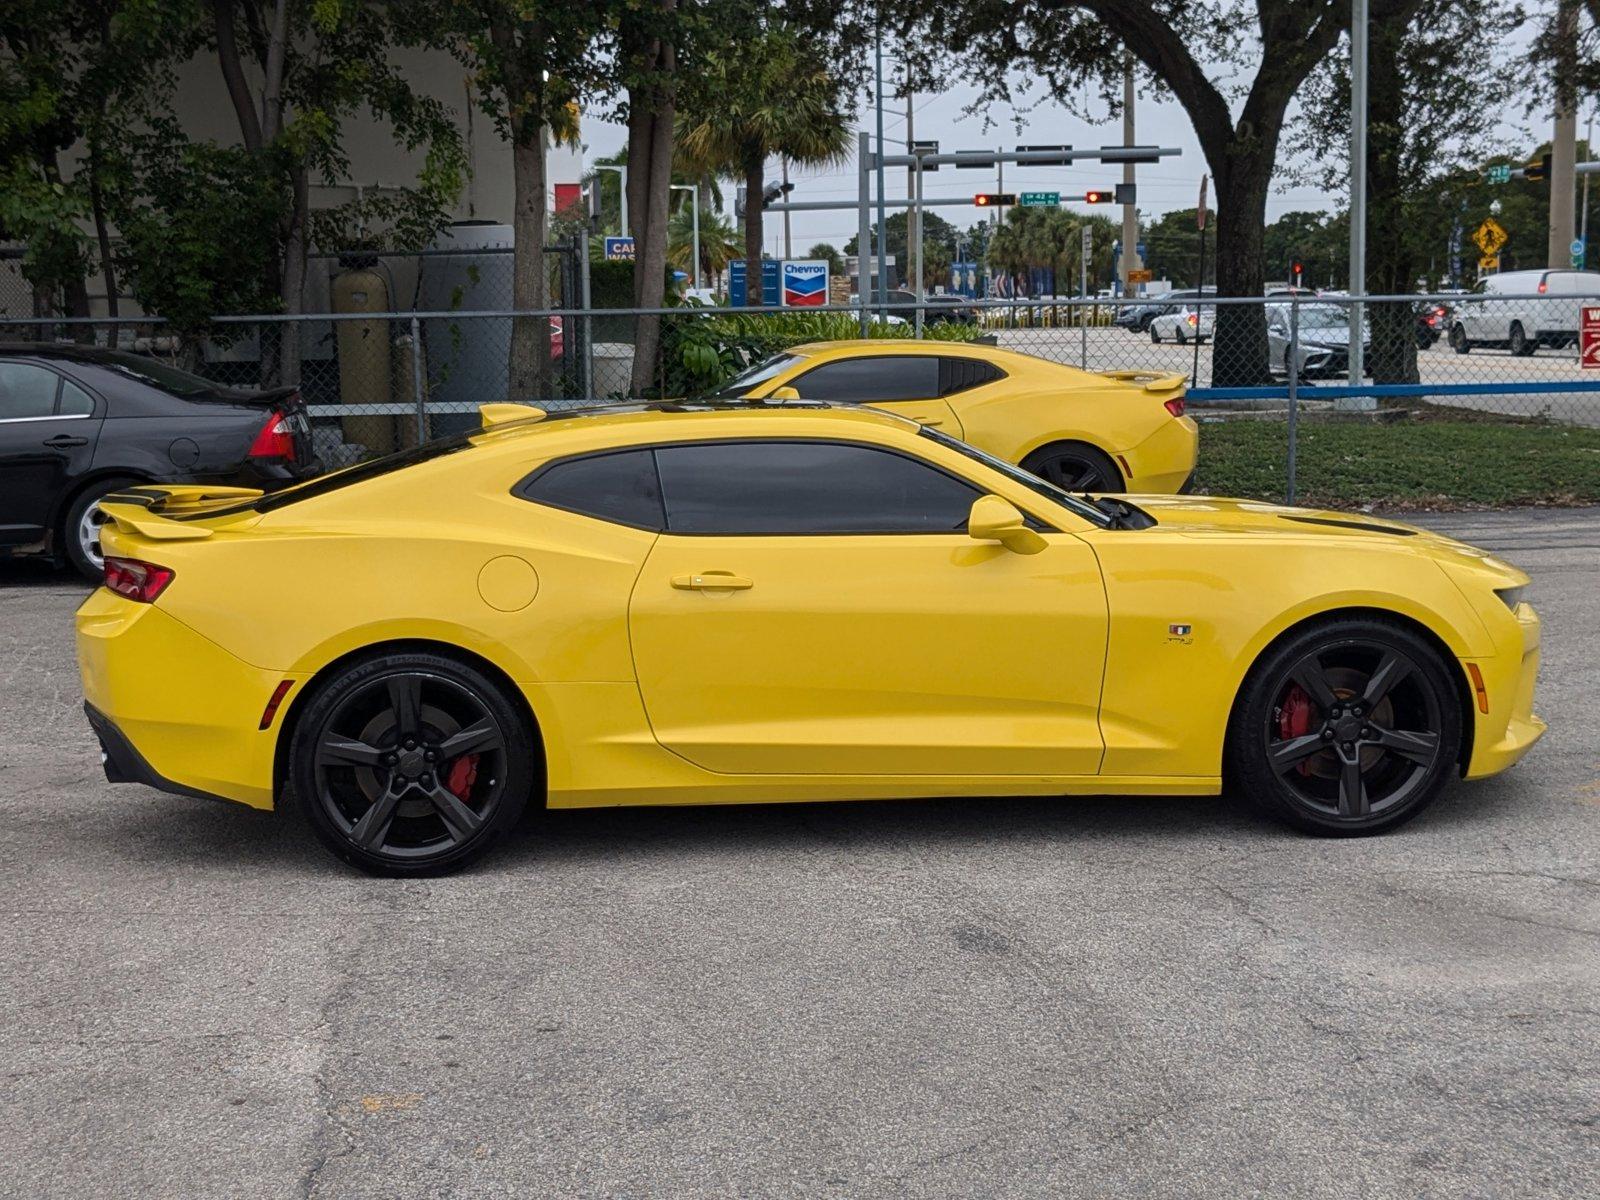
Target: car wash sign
{"points": [[805, 282]]}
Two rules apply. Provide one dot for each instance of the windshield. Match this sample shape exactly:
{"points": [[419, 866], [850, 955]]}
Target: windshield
{"points": [[158, 374], [1324, 316], [758, 374], [1017, 475]]}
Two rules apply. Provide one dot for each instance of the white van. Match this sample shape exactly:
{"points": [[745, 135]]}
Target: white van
{"points": [[1545, 314]]}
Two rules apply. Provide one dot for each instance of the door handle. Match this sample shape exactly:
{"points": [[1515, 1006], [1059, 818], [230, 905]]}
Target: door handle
{"points": [[62, 440], [712, 581]]}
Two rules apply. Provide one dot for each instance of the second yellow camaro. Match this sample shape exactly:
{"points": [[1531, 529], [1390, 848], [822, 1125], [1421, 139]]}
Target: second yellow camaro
{"points": [[700, 604], [1116, 431]]}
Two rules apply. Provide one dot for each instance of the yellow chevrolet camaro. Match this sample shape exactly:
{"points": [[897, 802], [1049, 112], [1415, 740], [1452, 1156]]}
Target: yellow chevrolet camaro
{"points": [[1118, 431], [731, 603]]}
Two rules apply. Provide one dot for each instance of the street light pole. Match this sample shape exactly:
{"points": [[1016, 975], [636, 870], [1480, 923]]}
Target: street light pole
{"points": [[1358, 202], [622, 172], [694, 224]]}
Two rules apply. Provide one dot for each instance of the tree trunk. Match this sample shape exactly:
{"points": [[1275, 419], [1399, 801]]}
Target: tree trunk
{"points": [[754, 183], [1390, 268], [293, 286], [1239, 343], [529, 368], [652, 108]]}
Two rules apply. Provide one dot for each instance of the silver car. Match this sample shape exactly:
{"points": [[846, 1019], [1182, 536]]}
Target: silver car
{"points": [[1324, 331]]}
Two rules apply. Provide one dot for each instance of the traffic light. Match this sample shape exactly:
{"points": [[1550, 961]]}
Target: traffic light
{"points": [[1538, 169], [1296, 271], [994, 199], [1097, 197]]}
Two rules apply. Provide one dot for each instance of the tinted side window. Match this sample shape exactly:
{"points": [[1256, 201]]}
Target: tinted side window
{"points": [[807, 488], [27, 390], [959, 374], [620, 487], [74, 400], [872, 380]]}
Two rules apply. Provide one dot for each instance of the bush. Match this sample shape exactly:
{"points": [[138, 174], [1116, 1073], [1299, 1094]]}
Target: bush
{"points": [[701, 352]]}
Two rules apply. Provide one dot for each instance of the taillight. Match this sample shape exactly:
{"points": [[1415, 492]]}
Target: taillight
{"points": [[1542, 286], [1175, 406], [276, 439], [1192, 319], [137, 580]]}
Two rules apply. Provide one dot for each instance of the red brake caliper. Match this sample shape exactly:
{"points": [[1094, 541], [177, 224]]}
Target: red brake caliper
{"points": [[463, 774], [1294, 719]]}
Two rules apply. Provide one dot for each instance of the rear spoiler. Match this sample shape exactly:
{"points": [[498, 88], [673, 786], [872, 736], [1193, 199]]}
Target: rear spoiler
{"points": [[1152, 381], [149, 511]]}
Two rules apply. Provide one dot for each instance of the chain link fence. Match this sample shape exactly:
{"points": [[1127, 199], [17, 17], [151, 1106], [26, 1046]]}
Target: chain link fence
{"points": [[380, 380]]}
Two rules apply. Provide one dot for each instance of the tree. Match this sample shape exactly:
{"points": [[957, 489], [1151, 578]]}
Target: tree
{"points": [[719, 242], [533, 67], [826, 252], [1069, 43], [1436, 89], [938, 238], [769, 92]]}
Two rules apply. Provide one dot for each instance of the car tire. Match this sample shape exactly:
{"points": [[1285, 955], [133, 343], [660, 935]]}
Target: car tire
{"points": [[1178, 333], [372, 766], [1519, 343], [1155, 335], [1459, 342], [79, 532], [1346, 728], [1075, 467]]}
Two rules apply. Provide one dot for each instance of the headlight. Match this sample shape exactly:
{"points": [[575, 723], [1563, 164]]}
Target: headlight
{"points": [[1511, 595]]}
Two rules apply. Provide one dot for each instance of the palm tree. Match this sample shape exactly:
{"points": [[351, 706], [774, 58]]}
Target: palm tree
{"points": [[768, 95], [719, 242]]}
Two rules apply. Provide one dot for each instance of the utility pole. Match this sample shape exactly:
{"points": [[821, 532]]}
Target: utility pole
{"points": [[1583, 221], [883, 229], [788, 247], [1564, 141], [913, 217], [1130, 260], [1358, 203]]}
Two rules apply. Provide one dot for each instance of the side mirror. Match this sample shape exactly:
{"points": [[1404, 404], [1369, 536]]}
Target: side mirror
{"points": [[996, 520]]}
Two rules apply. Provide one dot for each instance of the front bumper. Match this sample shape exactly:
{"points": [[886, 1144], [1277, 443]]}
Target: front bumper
{"points": [[1510, 728]]}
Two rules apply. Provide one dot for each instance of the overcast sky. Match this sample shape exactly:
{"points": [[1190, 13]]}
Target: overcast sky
{"points": [[1172, 184]]}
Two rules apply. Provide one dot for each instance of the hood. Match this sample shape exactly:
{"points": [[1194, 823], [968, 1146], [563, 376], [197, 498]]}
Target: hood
{"points": [[1207, 516], [1333, 335]]}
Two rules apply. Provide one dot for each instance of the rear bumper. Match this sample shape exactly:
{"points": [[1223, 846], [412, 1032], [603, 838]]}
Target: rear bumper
{"points": [[1163, 464], [172, 709], [123, 763]]}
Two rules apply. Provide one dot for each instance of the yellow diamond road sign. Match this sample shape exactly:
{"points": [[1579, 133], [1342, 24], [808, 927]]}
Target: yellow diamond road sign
{"points": [[1489, 262], [1490, 236]]}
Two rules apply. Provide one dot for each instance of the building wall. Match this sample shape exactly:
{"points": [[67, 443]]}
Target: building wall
{"points": [[376, 160]]}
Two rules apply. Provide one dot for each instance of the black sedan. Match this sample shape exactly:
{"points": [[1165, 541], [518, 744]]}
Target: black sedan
{"points": [[78, 422]]}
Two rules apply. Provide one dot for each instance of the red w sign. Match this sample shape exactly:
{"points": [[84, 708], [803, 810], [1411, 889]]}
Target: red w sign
{"points": [[1589, 337]]}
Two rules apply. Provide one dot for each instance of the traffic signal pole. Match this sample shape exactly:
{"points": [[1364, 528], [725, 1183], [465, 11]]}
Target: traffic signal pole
{"points": [[1130, 260]]}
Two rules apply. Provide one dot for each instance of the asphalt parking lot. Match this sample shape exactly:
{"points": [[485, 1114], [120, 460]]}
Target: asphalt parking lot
{"points": [[1103, 997]]}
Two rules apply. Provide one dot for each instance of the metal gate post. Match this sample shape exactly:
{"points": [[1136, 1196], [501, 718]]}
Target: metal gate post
{"points": [[1292, 371], [416, 379]]}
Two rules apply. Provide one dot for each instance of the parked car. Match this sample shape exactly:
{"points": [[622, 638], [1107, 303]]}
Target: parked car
{"points": [[79, 422], [1323, 331], [701, 604], [1122, 431], [1523, 310], [1433, 319], [1139, 316], [1185, 324]]}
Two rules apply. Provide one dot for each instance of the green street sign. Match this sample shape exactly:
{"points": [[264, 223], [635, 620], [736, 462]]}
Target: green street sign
{"points": [[1499, 174], [1049, 199]]}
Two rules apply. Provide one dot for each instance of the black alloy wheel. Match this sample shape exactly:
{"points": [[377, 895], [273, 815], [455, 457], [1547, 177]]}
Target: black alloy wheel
{"points": [[411, 764], [1350, 728], [1075, 467]]}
